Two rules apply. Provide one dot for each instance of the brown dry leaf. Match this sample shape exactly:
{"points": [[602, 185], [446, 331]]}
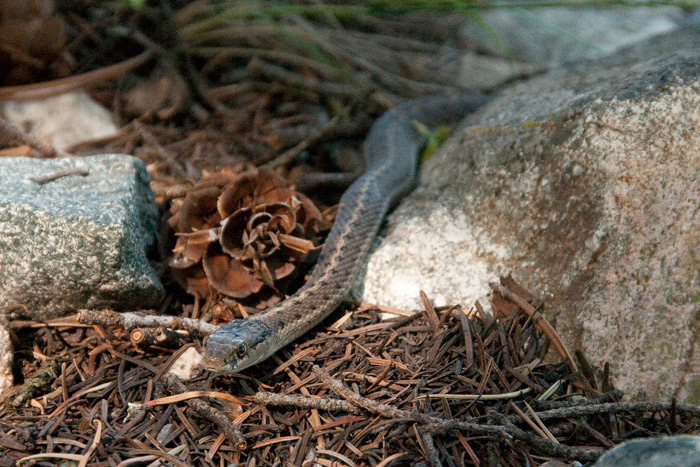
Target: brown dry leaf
{"points": [[193, 280], [228, 275]]}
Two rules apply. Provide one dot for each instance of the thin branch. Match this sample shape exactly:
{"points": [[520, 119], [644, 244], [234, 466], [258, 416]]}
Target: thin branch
{"points": [[305, 402], [204, 410], [143, 319]]}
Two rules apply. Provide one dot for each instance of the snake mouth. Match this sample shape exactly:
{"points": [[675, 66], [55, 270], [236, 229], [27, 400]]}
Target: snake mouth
{"points": [[217, 354], [218, 365], [211, 364], [237, 345]]}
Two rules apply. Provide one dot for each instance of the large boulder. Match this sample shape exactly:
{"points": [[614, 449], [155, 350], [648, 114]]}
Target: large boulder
{"points": [[79, 240], [583, 184], [510, 43], [668, 451], [553, 36]]}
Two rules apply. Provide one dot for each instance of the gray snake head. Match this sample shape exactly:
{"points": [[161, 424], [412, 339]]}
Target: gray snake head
{"points": [[236, 346]]}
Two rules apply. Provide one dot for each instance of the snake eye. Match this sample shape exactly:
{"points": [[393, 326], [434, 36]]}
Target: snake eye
{"points": [[241, 350]]}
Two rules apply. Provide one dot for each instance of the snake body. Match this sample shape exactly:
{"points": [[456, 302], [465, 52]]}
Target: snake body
{"points": [[391, 151]]}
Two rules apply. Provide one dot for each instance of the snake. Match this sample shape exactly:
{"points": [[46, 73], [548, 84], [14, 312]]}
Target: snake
{"points": [[391, 151]]}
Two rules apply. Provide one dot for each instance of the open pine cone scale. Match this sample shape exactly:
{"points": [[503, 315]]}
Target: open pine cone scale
{"points": [[237, 234]]}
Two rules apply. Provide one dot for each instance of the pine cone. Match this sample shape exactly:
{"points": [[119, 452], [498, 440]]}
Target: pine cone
{"points": [[240, 233]]}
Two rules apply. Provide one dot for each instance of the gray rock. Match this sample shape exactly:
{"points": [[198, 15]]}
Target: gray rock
{"points": [[78, 241], [553, 36], [6, 355], [670, 451], [485, 73], [584, 184], [514, 42], [555, 463], [63, 120]]}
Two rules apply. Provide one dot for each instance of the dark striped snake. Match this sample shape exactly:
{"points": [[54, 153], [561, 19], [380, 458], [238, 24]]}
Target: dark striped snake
{"points": [[391, 151]]}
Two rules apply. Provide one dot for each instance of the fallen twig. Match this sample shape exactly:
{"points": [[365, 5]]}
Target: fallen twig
{"points": [[204, 410], [59, 86], [144, 319], [61, 174], [304, 402]]}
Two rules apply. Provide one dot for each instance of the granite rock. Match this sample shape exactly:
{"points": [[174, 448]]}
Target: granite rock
{"points": [[553, 36], [667, 451], [511, 43], [6, 356], [61, 121], [77, 241], [582, 183]]}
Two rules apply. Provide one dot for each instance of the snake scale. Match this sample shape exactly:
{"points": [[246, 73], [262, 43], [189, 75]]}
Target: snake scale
{"points": [[391, 151]]}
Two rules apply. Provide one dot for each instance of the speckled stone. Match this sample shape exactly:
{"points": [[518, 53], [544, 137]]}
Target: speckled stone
{"points": [[584, 184], [78, 241], [668, 451]]}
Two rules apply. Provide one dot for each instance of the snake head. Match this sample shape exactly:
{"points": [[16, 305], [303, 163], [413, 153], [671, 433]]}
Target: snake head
{"points": [[236, 346]]}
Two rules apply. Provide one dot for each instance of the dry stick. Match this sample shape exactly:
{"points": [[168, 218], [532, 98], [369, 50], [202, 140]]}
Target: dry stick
{"points": [[436, 425], [295, 80], [204, 410], [291, 154], [589, 379], [616, 407], [396, 43], [219, 53], [598, 436], [314, 419], [539, 320], [161, 337], [546, 446], [612, 396], [39, 382], [429, 446], [305, 402], [59, 86], [672, 415], [540, 423], [194, 79], [565, 429], [392, 81], [61, 174], [134, 320], [68, 322], [233, 90], [527, 420], [388, 411], [95, 441], [397, 83]]}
